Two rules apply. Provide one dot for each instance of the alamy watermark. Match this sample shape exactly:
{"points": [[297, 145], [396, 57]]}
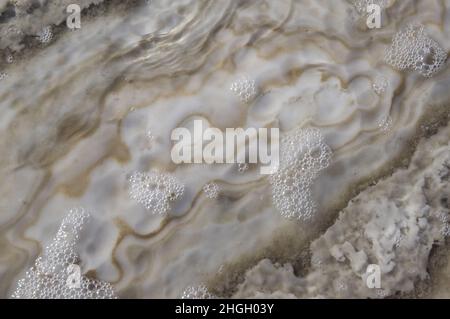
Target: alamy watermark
{"points": [[373, 279], [73, 21], [74, 276], [373, 16], [235, 145]]}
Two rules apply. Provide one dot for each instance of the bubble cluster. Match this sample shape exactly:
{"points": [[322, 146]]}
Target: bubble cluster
{"points": [[155, 190], [380, 85], [211, 190], [50, 277], [242, 167], [303, 154], [3, 75], [46, 35], [385, 124], [9, 59], [412, 49], [445, 229], [149, 139], [245, 89], [149, 135], [198, 292]]}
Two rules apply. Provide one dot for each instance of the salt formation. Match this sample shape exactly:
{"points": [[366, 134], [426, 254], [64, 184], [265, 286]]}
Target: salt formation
{"points": [[155, 190], [245, 89], [50, 278], [211, 190], [46, 35], [393, 224], [412, 49], [303, 154], [197, 292]]}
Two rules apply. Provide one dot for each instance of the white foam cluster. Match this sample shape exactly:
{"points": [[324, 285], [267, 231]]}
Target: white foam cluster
{"points": [[211, 190], [380, 85], [360, 13], [149, 139], [445, 229], [382, 293], [197, 292], [413, 49], [385, 124], [245, 89], [303, 154], [46, 35], [242, 167], [49, 278], [155, 190]]}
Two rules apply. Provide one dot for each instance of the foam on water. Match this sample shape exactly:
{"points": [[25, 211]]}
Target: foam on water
{"points": [[155, 190], [49, 278], [413, 49], [303, 154]]}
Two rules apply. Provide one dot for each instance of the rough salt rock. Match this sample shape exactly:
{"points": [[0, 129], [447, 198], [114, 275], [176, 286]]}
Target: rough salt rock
{"points": [[375, 228]]}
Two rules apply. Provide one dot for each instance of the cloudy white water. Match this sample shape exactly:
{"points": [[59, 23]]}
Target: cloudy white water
{"points": [[84, 110]]}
